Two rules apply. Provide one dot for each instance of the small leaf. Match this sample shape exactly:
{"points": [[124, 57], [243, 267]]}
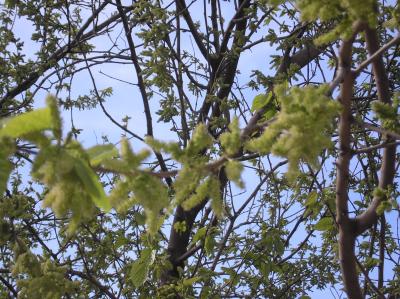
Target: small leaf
{"points": [[55, 116], [385, 205], [260, 101], [92, 184], [140, 218], [99, 153], [140, 268], [201, 232], [230, 141], [323, 224], [209, 244], [311, 199], [190, 281], [217, 202], [233, 171], [24, 124]]}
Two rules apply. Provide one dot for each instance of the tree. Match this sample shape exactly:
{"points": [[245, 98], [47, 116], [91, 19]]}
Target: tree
{"points": [[271, 182]]}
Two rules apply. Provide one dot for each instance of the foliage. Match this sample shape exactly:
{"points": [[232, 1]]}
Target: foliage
{"points": [[256, 181]]}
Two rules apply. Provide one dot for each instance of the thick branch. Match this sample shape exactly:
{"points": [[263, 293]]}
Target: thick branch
{"points": [[345, 224], [387, 171]]}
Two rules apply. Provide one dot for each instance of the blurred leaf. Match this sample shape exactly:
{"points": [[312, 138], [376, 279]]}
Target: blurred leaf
{"points": [[323, 224], [260, 101], [92, 184], [140, 268], [209, 244], [99, 153], [23, 124], [190, 281], [201, 232]]}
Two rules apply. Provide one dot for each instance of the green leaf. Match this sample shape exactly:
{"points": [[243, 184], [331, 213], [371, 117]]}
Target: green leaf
{"points": [[323, 224], [24, 124], [385, 205], [217, 202], [55, 115], [311, 199], [260, 101], [92, 184], [233, 170], [201, 232], [190, 281], [99, 153], [230, 141], [140, 268], [209, 244]]}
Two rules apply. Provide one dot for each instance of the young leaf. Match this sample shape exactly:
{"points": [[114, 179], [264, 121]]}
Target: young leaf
{"points": [[55, 115], [190, 281], [24, 124], [230, 141], [140, 268], [201, 232], [209, 244], [92, 184], [99, 153], [324, 224], [233, 171], [260, 101], [217, 202]]}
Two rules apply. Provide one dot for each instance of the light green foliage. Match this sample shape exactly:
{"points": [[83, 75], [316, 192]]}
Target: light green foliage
{"points": [[201, 232], [233, 170], [180, 226], [346, 11], [387, 114], [129, 156], [140, 268], [230, 141], [325, 223], [99, 153], [42, 278], [384, 206], [394, 21], [380, 193], [194, 182], [387, 202], [27, 123], [91, 184], [209, 188], [200, 193], [139, 187], [200, 140], [209, 242], [193, 163], [73, 186], [300, 130], [217, 202], [187, 181], [56, 122], [266, 101]]}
